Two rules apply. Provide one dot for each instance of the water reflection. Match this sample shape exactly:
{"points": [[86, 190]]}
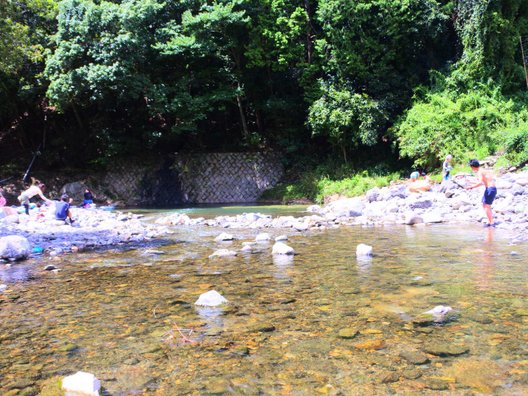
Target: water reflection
{"points": [[364, 263], [485, 266], [17, 272]]}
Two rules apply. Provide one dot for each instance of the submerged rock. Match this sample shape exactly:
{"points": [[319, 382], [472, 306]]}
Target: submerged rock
{"points": [[348, 333], [444, 349], [414, 357]]}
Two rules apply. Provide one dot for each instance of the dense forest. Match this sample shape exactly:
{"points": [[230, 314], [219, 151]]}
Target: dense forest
{"points": [[353, 82]]}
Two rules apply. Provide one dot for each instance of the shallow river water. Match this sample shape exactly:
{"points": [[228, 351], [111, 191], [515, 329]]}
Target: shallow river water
{"points": [[321, 322]]}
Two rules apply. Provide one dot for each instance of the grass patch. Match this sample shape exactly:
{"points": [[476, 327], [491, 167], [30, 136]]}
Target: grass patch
{"points": [[315, 187]]}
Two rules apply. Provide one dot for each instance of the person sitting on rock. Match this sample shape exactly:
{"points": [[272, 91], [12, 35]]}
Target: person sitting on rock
{"points": [[62, 209], [36, 189], [2, 198], [88, 198], [421, 185]]}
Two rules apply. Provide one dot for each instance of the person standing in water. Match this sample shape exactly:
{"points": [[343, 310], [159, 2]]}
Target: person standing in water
{"points": [[485, 178]]}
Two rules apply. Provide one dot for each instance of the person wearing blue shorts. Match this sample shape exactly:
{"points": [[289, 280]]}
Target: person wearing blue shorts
{"points": [[487, 179]]}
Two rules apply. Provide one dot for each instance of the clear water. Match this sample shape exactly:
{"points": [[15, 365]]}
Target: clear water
{"points": [[129, 316]]}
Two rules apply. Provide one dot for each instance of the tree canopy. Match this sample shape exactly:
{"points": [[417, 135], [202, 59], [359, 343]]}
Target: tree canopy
{"points": [[311, 78]]}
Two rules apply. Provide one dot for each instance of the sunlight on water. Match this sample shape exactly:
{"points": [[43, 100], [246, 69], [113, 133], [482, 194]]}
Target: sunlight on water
{"points": [[322, 321]]}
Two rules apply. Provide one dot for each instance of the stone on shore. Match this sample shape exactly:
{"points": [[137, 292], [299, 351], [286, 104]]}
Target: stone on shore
{"points": [[14, 247]]}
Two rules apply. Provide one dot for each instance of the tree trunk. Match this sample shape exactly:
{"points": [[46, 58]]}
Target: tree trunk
{"points": [[309, 32], [77, 116], [242, 116]]}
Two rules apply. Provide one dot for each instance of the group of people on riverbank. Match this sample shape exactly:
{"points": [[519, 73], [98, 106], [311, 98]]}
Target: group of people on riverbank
{"points": [[61, 207], [483, 177]]}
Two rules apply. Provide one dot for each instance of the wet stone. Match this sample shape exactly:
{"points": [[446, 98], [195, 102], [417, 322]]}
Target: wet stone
{"points": [[437, 384], [479, 318], [21, 383], [390, 377], [348, 333], [445, 349], [262, 328], [414, 357], [411, 374]]}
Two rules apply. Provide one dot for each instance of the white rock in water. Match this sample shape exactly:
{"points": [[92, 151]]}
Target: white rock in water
{"points": [[282, 248], [224, 237], [82, 383], [246, 248], [223, 253], [263, 237], [210, 299], [439, 310], [281, 238], [363, 250]]}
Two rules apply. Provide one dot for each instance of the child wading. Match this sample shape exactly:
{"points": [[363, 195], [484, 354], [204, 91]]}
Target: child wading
{"points": [[487, 179]]}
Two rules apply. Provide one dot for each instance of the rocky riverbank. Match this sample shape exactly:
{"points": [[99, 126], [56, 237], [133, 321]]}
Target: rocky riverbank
{"points": [[395, 205], [92, 229], [448, 202]]}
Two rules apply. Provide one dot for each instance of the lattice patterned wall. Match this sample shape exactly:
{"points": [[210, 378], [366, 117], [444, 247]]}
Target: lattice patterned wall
{"points": [[196, 178], [227, 177]]}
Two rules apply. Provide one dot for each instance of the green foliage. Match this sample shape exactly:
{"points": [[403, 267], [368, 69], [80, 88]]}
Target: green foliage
{"points": [[462, 125], [102, 49], [348, 119], [327, 179], [353, 186], [515, 142]]}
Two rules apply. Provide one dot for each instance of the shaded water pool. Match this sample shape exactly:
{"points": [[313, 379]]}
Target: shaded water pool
{"points": [[320, 322]]}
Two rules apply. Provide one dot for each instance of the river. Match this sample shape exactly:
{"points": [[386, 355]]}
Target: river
{"points": [[321, 322]]}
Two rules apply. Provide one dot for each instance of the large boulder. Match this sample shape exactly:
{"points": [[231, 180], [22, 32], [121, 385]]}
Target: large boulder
{"points": [[74, 190], [14, 247], [421, 204], [350, 207], [373, 194]]}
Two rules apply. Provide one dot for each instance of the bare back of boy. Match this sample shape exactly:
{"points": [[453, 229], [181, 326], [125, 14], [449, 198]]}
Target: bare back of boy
{"points": [[487, 177]]}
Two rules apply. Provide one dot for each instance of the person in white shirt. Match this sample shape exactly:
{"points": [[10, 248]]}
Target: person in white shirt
{"points": [[35, 189]]}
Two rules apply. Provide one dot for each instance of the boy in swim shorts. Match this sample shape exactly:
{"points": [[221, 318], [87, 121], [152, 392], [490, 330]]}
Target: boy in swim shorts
{"points": [[487, 179]]}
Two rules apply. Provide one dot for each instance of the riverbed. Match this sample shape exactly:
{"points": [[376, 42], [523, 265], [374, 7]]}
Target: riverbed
{"points": [[319, 322]]}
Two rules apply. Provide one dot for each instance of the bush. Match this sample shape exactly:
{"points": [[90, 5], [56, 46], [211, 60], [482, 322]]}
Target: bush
{"points": [[516, 144], [316, 185], [464, 125]]}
